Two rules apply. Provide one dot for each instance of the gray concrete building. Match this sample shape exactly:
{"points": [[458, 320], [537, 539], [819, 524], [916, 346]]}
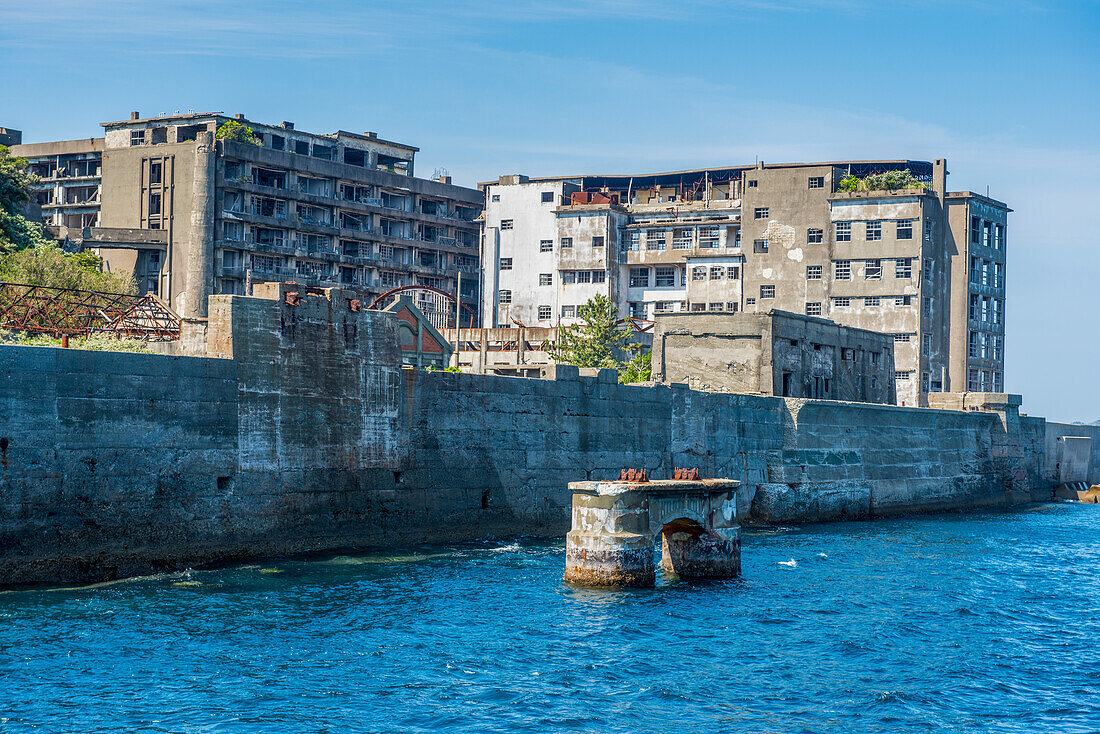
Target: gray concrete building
{"points": [[922, 264], [774, 353], [191, 215]]}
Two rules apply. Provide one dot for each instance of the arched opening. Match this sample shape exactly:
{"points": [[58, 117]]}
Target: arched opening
{"points": [[689, 550]]}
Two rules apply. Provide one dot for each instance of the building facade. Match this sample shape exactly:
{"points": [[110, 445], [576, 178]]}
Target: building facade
{"points": [[193, 215], [921, 264], [774, 353]]}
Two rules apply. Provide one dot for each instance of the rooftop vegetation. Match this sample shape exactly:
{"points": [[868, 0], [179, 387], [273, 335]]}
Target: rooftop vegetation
{"points": [[886, 181]]}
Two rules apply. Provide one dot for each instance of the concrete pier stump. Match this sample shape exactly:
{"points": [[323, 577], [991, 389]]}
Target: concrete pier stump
{"points": [[616, 523]]}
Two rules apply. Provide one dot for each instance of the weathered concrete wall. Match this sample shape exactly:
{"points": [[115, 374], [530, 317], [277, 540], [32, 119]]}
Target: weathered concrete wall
{"points": [[1051, 453], [300, 432]]}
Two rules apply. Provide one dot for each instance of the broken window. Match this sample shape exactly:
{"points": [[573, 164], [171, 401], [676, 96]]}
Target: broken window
{"points": [[597, 241], [759, 245], [504, 296], [566, 243], [270, 237], [817, 182], [495, 197], [999, 237], [268, 207], [632, 240], [975, 230], [599, 276], [873, 231], [154, 203], [843, 231], [352, 248], [546, 279], [301, 147], [234, 202], [927, 306], [278, 142], [903, 300], [568, 312], [547, 197], [234, 171], [928, 270], [665, 277], [654, 239], [358, 222], [682, 239], [315, 186], [733, 273], [389, 279], [731, 306], [760, 212], [546, 245], [815, 236], [268, 177], [160, 135], [767, 291], [813, 308], [926, 344], [842, 270], [360, 194], [137, 137], [813, 272], [314, 215], [717, 272], [355, 157], [505, 263], [872, 270], [715, 307], [708, 237], [506, 223], [699, 273], [544, 313], [751, 183], [432, 207], [187, 133], [698, 307], [905, 229], [903, 267], [385, 252], [392, 227], [639, 277], [314, 242], [987, 234]]}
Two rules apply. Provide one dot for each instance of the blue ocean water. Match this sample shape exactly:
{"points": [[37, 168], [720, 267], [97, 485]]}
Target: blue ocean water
{"points": [[976, 622]]}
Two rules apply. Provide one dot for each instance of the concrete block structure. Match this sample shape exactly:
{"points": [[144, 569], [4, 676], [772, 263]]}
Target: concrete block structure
{"points": [[774, 353], [190, 215], [924, 265]]}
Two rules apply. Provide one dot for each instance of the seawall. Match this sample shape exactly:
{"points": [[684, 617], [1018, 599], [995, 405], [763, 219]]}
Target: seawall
{"points": [[299, 431]]}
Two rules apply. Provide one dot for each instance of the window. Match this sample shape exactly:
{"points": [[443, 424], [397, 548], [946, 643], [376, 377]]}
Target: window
{"points": [[733, 273], [715, 307], [506, 223], [665, 277], [717, 272], [843, 231], [750, 301], [154, 204], [597, 241], [137, 137], [584, 276], [813, 309], [632, 241], [987, 234], [698, 307], [708, 237], [974, 380], [842, 302], [977, 344], [568, 312], [654, 240], [903, 300], [927, 306], [599, 276], [504, 296], [639, 277], [872, 270], [813, 272], [546, 279], [815, 236], [817, 182], [682, 239], [997, 348], [699, 273], [496, 197], [902, 338], [975, 230], [751, 183], [928, 270], [872, 301], [759, 245], [999, 239], [842, 269], [568, 277], [547, 198], [903, 375], [546, 245], [767, 291], [544, 313], [998, 381], [998, 309], [926, 344], [903, 267], [566, 243], [156, 169], [505, 263], [731, 306], [761, 212], [905, 229], [873, 231]]}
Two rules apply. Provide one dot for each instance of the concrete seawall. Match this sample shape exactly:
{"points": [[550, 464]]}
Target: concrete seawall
{"points": [[300, 432]]}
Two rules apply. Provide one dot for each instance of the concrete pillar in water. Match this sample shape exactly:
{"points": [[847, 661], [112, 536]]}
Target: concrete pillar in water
{"points": [[616, 523]]}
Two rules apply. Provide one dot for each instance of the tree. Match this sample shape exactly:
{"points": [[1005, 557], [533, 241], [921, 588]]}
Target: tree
{"points": [[235, 131], [638, 369], [596, 341], [16, 231], [886, 181], [48, 265]]}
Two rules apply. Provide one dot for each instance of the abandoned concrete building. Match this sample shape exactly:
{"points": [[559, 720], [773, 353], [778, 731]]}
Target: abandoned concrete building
{"points": [[190, 215], [922, 264], [774, 353]]}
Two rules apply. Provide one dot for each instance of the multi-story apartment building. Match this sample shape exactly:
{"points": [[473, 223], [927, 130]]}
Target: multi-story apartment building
{"points": [[192, 215], [922, 264]]}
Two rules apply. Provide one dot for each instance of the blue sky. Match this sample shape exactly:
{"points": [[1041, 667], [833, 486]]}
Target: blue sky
{"points": [[1006, 91]]}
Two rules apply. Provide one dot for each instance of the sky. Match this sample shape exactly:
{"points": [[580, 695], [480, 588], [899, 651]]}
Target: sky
{"points": [[1008, 91]]}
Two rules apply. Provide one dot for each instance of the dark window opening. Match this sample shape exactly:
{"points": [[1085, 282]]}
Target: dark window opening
{"points": [[355, 157]]}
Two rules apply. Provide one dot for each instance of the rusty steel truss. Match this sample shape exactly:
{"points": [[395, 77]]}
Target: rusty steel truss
{"points": [[68, 311]]}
